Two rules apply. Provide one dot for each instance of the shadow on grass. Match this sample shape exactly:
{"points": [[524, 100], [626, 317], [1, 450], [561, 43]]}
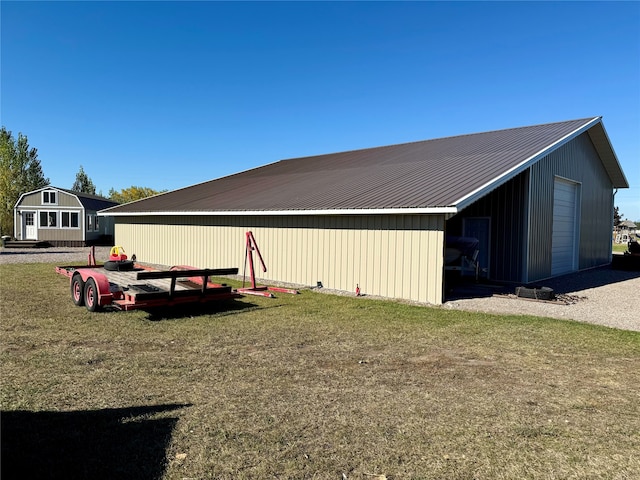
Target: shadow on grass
{"points": [[118, 443], [177, 312]]}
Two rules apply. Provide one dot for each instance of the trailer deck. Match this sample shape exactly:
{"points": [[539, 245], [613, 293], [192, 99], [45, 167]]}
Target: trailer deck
{"points": [[142, 288]]}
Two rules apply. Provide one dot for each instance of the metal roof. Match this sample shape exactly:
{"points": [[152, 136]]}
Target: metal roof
{"points": [[433, 176]]}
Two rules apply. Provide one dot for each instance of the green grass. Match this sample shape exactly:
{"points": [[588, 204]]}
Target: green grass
{"points": [[619, 247], [309, 386]]}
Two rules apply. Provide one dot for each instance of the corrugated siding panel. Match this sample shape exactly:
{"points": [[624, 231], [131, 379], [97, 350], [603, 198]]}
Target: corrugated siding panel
{"points": [[507, 208], [392, 256], [579, 162]]}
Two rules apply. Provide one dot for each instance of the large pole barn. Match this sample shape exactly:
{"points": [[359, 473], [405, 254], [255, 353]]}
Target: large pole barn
{"points": [[538, 201]]}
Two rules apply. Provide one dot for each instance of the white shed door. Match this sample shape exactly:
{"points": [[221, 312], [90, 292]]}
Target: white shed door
{"points": [[565, 228], [29, 225]]}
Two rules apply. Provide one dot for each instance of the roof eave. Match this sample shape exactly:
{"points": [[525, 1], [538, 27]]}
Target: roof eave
{"points": [[604, 147], [346, 211]]}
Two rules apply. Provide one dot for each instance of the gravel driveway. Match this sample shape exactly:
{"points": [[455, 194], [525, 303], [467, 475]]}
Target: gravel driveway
{"points": [[58, 255], [601, 296]]}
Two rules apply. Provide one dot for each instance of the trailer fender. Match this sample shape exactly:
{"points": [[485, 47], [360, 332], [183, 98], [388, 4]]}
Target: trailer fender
{"points": [[105, 296]]}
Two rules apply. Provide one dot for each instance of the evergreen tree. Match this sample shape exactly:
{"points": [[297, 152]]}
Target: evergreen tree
{"points": [[20, 172], [83, 183], [617, 217]]}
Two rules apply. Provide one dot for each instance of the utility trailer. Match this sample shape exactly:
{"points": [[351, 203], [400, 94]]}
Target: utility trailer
{"points": [[141, 288]]}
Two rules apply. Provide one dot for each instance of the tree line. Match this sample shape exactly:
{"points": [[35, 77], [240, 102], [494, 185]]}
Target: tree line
{"points": [[21, 172]]}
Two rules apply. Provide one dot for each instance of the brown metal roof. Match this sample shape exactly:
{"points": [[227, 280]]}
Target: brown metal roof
{"points": [[444, 174]]}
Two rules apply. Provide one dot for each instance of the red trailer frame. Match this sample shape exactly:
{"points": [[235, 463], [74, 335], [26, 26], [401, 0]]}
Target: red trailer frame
{"points": [[143, 288], [126, 285]]}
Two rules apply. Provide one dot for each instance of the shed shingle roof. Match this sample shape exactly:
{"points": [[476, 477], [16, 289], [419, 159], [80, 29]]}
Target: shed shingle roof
{"points": [[91, 202], [441, 175]]}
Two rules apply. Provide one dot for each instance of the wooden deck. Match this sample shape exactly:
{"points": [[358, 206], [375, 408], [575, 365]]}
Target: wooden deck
{"points": [[126, 279], [142, 289]]}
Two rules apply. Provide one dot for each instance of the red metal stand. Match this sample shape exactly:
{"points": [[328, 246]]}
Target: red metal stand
{"points": [[91, 261], [261, 291]]}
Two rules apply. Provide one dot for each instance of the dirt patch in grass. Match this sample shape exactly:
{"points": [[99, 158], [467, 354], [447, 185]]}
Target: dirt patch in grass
{"points": [[311, 386]]}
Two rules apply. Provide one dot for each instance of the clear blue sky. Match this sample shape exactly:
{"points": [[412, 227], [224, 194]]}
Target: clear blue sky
{"points": [[170, 94]]}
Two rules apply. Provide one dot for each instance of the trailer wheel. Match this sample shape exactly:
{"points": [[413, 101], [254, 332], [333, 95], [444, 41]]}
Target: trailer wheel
{"points": [[77, 290], [536, 293], [118, 266], [91, 295]]}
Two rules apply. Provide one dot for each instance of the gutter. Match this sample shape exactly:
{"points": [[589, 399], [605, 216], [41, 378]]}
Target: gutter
{"points": [[448, 211]]}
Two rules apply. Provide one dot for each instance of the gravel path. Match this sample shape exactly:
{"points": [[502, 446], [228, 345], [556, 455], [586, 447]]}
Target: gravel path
{"points": [[600, 296]]}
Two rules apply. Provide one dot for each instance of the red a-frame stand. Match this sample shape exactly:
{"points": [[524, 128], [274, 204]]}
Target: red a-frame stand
{"points": [[262, 291]]}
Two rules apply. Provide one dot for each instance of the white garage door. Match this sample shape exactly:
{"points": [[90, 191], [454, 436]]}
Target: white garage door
{"points": [[565, 229]]}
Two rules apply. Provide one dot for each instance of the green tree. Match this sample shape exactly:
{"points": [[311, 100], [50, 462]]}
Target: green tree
{"points": [[20, 172], [83, 183], [617, 217], [132, 194]]}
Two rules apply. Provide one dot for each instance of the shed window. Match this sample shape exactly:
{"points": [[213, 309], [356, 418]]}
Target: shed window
{"points": [[70, 219], [49, 198], [48, 219]]}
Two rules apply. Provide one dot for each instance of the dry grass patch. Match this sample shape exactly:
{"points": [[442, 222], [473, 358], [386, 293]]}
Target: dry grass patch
{"points": [[311, 386]]}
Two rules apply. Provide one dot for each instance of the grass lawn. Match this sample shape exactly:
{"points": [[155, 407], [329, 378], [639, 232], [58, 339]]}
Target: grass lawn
{"points": [[619, 247], [309, 386]]}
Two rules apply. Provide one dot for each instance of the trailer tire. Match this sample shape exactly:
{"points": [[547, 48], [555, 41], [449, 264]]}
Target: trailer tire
{"points": [[118, 266], [77, 290], [535, 293], [91, 295]]}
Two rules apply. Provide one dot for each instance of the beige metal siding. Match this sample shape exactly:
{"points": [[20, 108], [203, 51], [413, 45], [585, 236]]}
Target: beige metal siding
{"points": [[395, 256], [576, 161]]}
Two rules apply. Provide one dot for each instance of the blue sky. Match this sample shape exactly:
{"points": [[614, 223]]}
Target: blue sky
{"points": [[170, 94]]}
